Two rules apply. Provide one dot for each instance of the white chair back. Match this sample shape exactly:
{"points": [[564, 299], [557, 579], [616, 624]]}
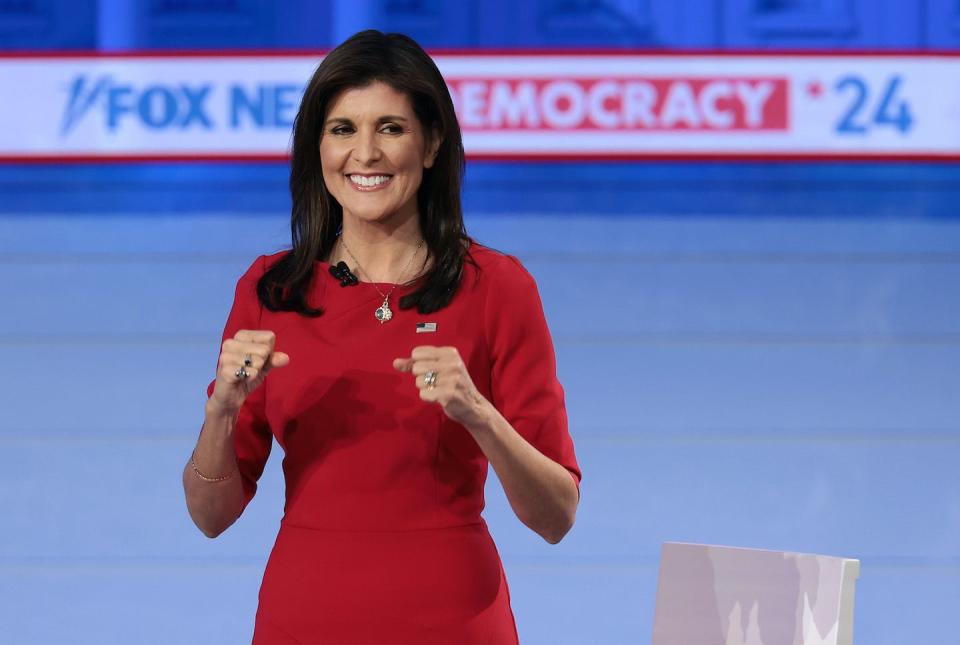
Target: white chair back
{"points": [[714, 595]]}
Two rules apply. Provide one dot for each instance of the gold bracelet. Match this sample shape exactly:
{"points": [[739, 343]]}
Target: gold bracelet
{"points": [[199, 474]]}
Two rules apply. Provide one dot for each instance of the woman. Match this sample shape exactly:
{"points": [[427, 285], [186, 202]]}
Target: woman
{"points": [[392, 358]]}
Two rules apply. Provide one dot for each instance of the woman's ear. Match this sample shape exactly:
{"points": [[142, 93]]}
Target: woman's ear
{"points": [[433, 147]]}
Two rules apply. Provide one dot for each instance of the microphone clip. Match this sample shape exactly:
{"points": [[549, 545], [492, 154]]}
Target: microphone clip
{"points": [[342, 272]]}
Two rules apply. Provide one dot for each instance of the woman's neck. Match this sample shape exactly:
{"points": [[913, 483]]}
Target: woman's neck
{"points": [[384, 254]]}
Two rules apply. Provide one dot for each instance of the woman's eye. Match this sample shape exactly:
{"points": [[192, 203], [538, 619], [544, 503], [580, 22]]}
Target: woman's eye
{"points": [[341, 129], [391, 128]]}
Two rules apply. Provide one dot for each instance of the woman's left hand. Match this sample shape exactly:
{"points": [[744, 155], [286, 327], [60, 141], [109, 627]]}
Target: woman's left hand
{"points": [[450, 385]]}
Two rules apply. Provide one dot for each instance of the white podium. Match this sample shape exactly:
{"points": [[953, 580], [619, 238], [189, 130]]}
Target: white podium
{"points": [[714, 595]]}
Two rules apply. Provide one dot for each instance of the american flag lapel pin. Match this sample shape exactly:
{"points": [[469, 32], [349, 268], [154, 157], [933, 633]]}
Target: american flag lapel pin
{"points": [[426, 328]]}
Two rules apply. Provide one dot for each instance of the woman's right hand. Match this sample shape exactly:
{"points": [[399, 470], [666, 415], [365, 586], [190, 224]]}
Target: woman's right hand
{"points": [[255, 347]]}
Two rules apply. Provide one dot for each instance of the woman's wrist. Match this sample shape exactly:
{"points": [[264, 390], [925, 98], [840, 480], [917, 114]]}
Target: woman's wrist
{"points": [[214, 412], [210, 478], [482, 419], [218, 425]]}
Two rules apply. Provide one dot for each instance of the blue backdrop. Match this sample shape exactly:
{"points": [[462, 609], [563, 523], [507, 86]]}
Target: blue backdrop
{"points": [[754, 354]]}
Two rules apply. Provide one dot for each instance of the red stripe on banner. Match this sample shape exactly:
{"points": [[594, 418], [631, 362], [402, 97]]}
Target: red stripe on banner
{"points": [[719, 157], [498, 52], [180, 53], [69, 159], [500, 157]]}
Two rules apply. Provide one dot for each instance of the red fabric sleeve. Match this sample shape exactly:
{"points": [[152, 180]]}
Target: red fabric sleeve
{"points": [[252, 439], [523, 379]]}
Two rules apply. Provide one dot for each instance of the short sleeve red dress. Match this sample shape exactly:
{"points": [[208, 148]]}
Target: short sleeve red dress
{"points": [[382, 539]]}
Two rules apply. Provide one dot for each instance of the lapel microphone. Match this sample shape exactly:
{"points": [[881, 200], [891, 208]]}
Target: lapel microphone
{"points": [[342, 272]]}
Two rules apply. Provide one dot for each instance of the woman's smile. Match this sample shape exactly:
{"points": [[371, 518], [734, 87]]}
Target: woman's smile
{"points": [[369, 183]]}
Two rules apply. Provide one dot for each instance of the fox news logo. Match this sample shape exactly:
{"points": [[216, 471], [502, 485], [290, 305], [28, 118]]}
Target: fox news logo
{"points": [[178, 106]]}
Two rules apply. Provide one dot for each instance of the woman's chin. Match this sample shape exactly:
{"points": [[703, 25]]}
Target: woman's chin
{"points": [[368, 216], [376, 215]]}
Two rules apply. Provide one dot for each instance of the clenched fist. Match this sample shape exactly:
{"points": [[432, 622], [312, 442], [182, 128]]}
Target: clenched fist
{"points": [[245, 361], [442, 377]]}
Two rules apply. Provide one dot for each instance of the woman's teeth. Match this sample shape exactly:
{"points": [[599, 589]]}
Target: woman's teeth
{"points": [[367, 182]]}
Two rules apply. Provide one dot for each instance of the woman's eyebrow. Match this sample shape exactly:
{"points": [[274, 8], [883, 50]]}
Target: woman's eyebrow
{"points": [[384, 119]]}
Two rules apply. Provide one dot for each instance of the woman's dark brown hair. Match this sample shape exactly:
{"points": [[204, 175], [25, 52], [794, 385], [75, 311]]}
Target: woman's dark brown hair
{"points": [[316, 218]]}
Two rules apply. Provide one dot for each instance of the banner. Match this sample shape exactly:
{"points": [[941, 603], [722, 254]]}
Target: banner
{"points": [[510, 105]]}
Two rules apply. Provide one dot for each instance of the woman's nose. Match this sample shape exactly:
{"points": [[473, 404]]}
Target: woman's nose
{"points": [[367, 149]]}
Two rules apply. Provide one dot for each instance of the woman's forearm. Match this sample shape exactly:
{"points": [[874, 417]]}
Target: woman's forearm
{"points": [[541, 492], [214, 505]]}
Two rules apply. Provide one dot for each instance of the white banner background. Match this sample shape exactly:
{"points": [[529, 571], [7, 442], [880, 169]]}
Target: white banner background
{"points": [[510, 106]]}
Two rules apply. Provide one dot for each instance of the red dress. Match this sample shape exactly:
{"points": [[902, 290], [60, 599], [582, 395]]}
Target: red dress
{"points": [[382, 539]]}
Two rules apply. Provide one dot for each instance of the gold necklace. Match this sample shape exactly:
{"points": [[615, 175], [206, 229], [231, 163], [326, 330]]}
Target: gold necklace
{"points": [[383, 312]]}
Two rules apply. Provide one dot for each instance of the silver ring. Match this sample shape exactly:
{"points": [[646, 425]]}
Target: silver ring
{"points": [[247, 360], [430, 379], [241, 373]]}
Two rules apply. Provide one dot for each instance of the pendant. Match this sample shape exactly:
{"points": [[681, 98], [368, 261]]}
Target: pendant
{"points": [[383, 312]]}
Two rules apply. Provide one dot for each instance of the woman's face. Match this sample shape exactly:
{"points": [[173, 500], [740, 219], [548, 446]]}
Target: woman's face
{"points": [[373, 152]]}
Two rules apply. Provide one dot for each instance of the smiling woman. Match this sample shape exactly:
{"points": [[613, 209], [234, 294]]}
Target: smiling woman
{"points": [[373, 153], [387, 439]]}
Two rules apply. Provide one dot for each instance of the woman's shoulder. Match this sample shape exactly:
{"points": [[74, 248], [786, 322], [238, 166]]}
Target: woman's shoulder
{"points": [[262, 263], [498, 265], [272, 258], [499, 277], [510, 296]]}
